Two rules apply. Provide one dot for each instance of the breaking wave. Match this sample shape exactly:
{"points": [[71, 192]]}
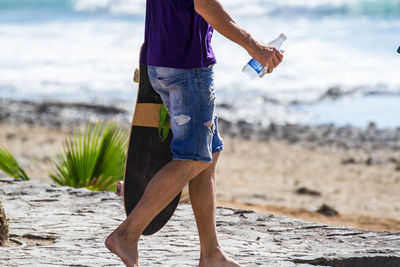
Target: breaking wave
{"points": [[249, 8]]}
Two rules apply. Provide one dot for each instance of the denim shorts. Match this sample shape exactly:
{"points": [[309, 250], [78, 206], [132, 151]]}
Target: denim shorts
{"points": [[189, 96]]}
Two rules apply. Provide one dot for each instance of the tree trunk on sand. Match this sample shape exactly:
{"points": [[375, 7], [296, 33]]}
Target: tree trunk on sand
{"points": [[3, 227]]}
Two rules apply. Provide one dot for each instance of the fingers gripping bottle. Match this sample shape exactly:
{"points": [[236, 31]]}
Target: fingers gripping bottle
{"points": [[254, 68]]}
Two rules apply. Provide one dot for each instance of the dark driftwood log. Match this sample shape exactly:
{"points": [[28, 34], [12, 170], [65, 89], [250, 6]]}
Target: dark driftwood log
{"points": [[3, 227]]}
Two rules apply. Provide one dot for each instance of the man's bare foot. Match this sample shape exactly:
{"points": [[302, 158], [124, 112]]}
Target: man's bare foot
{"points": [[123, 248], [120, 188], [217, 259]]}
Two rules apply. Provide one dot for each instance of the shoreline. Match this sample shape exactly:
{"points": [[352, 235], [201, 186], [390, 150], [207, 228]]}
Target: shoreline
{"points": [[64, 115], [279, 174]]}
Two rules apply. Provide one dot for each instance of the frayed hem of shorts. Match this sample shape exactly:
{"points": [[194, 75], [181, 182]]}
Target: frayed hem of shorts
{"points": [[192, 159], [202, 159], [218, 149]]}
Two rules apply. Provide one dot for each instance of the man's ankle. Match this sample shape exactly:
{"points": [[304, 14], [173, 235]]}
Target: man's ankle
{"points": [[126, 235], [211, 252]]}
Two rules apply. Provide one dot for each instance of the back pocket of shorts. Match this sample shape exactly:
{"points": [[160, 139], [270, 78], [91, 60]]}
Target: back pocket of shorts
{"points": [[176, 87]]}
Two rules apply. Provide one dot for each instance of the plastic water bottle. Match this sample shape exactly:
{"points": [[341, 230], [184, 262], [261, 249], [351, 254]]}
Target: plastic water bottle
{"points": [[254, 68]]}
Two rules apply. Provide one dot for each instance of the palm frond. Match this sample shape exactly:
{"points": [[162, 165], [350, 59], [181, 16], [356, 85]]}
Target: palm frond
{"points": [[9, 165], [93, 157]]}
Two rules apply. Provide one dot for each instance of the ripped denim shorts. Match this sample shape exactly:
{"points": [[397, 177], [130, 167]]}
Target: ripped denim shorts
{"points": [[189, 96]]}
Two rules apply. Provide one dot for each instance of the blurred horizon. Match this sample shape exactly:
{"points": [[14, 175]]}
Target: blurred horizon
{"points": [[250, 8]]}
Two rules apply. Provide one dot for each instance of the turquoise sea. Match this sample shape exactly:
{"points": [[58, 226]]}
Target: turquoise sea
{"points": [[86, 51]]}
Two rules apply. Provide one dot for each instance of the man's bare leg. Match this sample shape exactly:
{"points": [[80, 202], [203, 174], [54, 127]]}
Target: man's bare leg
{"points": [[169, 180], [203, 198]]}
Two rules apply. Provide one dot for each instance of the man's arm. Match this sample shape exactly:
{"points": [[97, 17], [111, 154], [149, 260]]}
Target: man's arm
{"points": [[215, 15]]}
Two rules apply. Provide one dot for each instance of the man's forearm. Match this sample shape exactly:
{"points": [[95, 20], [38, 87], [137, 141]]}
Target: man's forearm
{"points": [[215, 15]]}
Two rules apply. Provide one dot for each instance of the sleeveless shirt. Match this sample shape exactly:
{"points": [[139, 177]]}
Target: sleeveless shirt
{"points": [[176, 36]]}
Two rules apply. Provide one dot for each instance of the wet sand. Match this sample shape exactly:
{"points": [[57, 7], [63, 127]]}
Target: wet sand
{"points": [[273, 176]]}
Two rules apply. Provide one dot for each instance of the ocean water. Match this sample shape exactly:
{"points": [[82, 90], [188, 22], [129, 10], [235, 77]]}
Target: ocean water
{"points": [[86, 51]]}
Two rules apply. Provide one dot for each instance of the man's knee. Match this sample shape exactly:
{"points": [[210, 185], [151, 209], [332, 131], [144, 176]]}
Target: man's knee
{"points": [[201, 165], [194, 167]]}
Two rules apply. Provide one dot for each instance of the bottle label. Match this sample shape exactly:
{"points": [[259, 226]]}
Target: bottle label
{"points": [[255, 65]]}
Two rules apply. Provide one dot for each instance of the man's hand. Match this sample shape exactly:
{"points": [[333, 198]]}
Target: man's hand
{"points": [[266, 55], [215, 15]]}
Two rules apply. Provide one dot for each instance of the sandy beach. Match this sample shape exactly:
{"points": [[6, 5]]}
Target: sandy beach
{"points": [[272, 176]]}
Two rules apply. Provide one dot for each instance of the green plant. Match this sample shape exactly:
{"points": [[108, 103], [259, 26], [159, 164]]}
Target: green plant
{"points": [[93, 158], [9, 165]]}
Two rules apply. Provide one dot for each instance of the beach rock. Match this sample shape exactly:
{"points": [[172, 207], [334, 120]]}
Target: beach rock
{"points": [[398, 167], [349, 160], [333, 93], [309, 192], [58, 114], [3, 227], [375, 161], [327, 210], [246, 129], [63, 226]]}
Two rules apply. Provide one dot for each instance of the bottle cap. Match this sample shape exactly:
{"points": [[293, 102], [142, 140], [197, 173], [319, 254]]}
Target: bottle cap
{"points": [[283, 36]]}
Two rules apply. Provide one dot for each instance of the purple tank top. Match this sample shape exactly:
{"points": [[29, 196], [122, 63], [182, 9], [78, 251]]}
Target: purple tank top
{"points": [[176, 36]]}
